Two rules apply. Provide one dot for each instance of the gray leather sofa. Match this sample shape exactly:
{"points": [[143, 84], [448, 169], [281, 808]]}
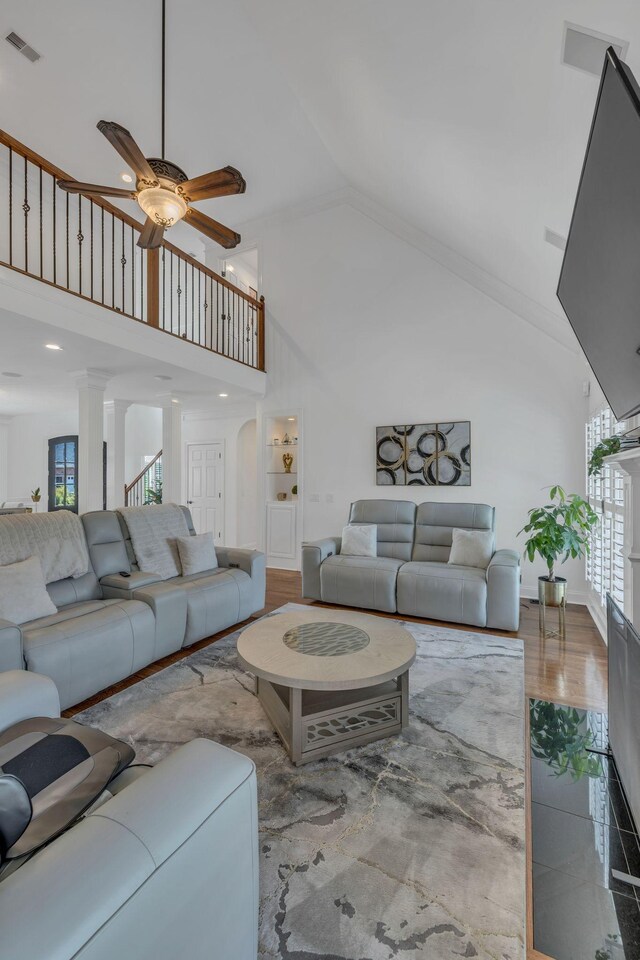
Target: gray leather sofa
{"points": [[166, 868], [410, 574], [108, 627]]}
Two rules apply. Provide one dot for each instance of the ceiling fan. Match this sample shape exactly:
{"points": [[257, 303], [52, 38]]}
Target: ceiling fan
{"points": [[163, 190]]}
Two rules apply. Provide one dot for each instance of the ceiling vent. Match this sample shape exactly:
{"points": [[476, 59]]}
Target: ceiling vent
{"points": [[555, 239], [585, 49], [23, 47]]}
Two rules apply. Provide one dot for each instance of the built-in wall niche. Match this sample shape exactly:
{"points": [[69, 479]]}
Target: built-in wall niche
{"points": [[281, 459]]}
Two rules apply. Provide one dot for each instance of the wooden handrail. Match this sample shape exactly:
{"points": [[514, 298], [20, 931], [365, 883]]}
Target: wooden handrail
{"points": [[129, 486], [143, 299], [59, 174]]}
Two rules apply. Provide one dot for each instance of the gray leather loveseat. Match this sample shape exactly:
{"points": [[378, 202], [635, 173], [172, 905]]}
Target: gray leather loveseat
{"points": [[410, 574], [108, 627], [166, 868]]}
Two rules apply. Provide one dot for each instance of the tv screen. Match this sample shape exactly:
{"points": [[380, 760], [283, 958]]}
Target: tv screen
{"points": [[599, 285]]}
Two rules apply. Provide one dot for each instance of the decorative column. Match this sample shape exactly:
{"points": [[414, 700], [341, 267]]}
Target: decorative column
{"points": [[4, 458], [628, 462], [115, 412], [171, 449], [90, 483]]}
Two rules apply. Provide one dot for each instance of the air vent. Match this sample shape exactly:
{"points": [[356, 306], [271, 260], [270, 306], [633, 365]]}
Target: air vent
{"points": [[23, 47], [585, 49], [555, 239]]}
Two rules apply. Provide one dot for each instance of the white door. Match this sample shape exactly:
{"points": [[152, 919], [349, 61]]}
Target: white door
{"points": [[205, 487]]}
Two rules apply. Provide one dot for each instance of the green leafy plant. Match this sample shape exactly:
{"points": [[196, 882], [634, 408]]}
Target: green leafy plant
{"points": [[604, 449], [35, 494], [559, 529], [294, 490], [153, 494], [558, 737]]}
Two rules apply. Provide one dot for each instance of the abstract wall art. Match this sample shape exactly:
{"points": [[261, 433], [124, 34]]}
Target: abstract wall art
{"points": [[424, 454]]}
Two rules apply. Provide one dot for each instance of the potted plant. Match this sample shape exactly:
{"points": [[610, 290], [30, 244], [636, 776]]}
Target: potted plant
{"points": [[294, 490], [604, 449], [35, 495], [557, 531]]}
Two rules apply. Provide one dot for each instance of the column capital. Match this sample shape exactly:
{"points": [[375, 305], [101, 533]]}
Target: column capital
{"points": [[117, 406], [91, 379]]}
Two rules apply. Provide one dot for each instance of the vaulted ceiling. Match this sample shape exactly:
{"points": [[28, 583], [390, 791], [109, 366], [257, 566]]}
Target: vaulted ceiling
{"points": [[456, 114]]}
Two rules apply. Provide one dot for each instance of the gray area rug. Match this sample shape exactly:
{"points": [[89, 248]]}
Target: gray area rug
{"points": [[411, 847]]}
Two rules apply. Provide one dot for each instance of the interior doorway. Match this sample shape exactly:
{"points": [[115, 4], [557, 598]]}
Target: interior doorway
{"points": [[205, 487]]}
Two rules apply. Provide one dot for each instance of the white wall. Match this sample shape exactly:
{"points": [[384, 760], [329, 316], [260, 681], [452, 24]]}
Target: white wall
{"points": [[206, 427], [28, 450], [143, 437], [247, 486], [363, 329]]}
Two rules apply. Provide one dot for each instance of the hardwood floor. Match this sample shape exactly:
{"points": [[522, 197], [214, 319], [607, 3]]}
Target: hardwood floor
{"points": [[573, 671]]}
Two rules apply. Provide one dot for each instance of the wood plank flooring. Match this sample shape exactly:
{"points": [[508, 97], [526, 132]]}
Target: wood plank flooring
{"points": [[573, 671]]}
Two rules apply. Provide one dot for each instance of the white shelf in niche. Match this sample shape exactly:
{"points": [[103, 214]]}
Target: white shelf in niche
{"points": [[282, 473], [282, 444]]}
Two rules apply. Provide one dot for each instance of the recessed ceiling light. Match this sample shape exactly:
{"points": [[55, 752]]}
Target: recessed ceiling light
{"points": [[126, 177], [223, 394], [53, 346], [231, 268], [290, 418], [8, 373], [162, 376]]}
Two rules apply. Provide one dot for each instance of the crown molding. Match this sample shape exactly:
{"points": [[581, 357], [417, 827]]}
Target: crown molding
{"points": [[553, 325]]}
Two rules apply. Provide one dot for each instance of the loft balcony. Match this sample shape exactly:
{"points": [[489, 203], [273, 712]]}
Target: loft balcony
{"points": [[86, 248]]}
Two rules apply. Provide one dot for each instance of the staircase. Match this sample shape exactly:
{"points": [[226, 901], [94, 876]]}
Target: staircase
{"points": [[146, 488]]}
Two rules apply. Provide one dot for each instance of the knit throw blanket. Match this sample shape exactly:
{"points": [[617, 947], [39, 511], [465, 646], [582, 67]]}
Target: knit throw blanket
{"points": [[56, 538], [153, 532]]}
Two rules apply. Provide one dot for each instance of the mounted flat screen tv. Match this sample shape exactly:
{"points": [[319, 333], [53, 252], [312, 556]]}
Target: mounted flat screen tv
{"points": [[599, 286]]}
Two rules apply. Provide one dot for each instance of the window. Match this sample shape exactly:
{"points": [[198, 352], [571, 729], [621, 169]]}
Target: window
{"points": [[605, 563], [63, 471], [63, 474]]}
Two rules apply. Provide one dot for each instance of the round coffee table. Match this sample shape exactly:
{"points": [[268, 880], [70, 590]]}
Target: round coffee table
{"points": [[329, 680]]}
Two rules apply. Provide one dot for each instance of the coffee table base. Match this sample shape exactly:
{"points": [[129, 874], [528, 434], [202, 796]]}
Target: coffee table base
{"points": [[313, 724]]}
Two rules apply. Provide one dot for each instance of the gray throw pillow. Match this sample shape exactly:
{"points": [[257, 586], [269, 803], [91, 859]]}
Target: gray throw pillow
{"points": [[23, 592], [471, 548], [197, 553]]}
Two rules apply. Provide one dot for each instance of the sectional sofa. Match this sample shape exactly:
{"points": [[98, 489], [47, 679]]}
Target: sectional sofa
{"points": [[109, 626], [411, 574]]}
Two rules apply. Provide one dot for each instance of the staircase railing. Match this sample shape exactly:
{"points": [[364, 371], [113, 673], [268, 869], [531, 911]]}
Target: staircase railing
{"points": [[88, 247], [146, 488]]}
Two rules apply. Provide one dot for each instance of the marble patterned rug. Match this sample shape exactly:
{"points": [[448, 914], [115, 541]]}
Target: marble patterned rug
{"points": [[410, 847]]}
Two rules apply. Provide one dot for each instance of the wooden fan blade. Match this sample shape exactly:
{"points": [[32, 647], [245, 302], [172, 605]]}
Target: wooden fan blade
{"points": [[211, 228], [218, 183], [74, 186], [122, 141], [151, 235]]}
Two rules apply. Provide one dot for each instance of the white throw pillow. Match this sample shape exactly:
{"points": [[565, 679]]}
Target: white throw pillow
{"points": [[471, 548], [360, 540], [197, 553], [23, 592]]}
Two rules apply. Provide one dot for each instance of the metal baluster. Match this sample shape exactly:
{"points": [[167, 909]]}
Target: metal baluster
{"points": [[123, 261], [40, 178], [164, 288], [80, 239], [10, 206], [113, 262], [91, 205], [67, 235], [53, 191], [133, 275], [102, 253], [193, 290], [26, 208], [179, 291], [171, 292]]}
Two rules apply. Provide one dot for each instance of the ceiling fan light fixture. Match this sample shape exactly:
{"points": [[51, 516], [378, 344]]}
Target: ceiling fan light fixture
{"points": [[164, 206]]}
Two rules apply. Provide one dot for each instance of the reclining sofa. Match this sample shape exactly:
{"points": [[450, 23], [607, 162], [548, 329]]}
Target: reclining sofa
{"points": [[166, 868], [410, 574], [109, 626]]}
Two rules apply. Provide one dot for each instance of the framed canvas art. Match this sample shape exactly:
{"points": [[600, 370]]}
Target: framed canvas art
{"points": [[424, 454]]}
